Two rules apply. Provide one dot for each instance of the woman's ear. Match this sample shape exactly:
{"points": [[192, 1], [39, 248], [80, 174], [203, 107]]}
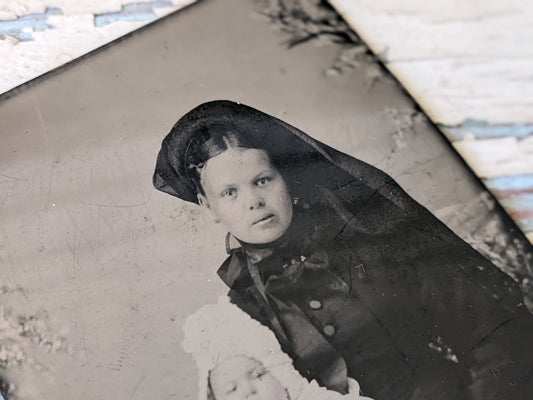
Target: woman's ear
{"points": [[204, 203]]}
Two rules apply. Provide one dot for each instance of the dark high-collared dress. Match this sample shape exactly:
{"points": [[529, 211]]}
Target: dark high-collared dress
{"points": [[412, 317]]}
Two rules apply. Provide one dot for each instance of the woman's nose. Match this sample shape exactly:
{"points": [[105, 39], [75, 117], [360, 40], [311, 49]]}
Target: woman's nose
{"points": [[250, 390], [256, 201]]}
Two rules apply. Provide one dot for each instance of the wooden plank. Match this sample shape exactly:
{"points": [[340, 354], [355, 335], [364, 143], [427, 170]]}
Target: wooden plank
{"points": [[38, 36], [469, 66], [459, 59]]}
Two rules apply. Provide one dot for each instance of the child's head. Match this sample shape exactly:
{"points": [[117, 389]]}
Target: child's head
{"points": [[242, 377], [240, 187]]}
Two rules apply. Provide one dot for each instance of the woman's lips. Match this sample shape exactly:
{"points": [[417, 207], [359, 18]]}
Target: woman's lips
{"points": [[266, 219]]}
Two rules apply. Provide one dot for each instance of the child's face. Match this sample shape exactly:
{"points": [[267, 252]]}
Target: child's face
{"points": [[247, 194], [245, 378]]}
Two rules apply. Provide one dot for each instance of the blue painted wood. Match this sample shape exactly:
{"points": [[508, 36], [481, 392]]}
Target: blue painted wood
{"points": [[515, 194], [37, 22], [137, 11], [486, 130], [512, 182]]}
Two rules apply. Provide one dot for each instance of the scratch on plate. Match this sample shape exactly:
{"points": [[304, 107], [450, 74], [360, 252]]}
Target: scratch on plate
{"points": [[89, 243], [43, 127]]}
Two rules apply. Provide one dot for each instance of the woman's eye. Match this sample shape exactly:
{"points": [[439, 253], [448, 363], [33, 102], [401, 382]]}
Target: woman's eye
{"points": [[228, 193], [230, 389], [259, 374], [262, 181]]}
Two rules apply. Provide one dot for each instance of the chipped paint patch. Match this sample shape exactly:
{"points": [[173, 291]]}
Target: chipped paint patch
{"points": [[15, 8], [490, 158], [515, 193], [138, 11], [28, 51], [439, 346], [485, 130], [22, 28], [502, 155], [445, 59], [526, 225], [404, 120], [521, 210], [511, 184]]}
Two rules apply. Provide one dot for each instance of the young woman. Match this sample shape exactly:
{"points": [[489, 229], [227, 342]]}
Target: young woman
{"points": [[353, 276]]}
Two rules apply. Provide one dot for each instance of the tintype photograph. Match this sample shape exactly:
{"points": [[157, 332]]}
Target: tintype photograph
{"points": [[240, 202]]}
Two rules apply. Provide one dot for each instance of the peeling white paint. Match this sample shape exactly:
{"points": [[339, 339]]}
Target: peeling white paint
{"points": [[495, 89], [497, 157], [463, 62], [74, 35], [17, 8], [459, 59]]}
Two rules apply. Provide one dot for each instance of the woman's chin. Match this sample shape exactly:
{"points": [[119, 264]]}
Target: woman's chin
{"points": [[265, 236]]}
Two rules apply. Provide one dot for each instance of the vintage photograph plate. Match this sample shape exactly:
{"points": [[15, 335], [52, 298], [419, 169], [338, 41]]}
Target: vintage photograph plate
{"points": [[100, 271]]}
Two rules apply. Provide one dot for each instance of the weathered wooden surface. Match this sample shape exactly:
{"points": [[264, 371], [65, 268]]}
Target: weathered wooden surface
{"points": [[469, 65], [39, 35]]}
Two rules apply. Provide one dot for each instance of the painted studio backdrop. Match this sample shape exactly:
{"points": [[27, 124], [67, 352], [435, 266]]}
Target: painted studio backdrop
{"points": [[100, 270]]}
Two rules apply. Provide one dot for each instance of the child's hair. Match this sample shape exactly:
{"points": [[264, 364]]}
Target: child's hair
{"points": [[208, 143]]}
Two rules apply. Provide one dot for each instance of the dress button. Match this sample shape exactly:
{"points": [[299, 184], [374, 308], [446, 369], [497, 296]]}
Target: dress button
{"points": [[315, 304], [329, 330]]}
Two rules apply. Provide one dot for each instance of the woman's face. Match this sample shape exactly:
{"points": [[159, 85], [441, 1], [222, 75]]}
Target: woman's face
{"points": [[241, 378], [247, 194]]}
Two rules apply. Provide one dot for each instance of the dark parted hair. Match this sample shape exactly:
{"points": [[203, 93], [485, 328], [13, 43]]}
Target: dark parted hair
{"points": [[213, 127], [308, 166], [209, 143]]}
